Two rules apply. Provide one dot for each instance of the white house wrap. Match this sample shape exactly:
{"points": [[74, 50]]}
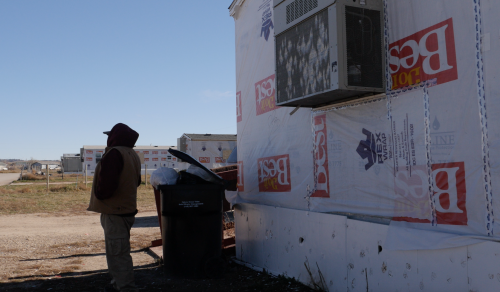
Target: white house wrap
{"points": [[425, 154]]}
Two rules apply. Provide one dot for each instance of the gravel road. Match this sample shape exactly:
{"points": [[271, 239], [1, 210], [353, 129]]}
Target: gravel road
{"points": [[7, 178]]}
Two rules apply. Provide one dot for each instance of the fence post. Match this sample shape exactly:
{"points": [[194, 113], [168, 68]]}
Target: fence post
{"points": [[47, 166], [85, 174], [146, 174]]}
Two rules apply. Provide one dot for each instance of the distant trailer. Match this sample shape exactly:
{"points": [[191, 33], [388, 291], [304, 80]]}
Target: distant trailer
{"points": [[71, 162], [152, 157]]}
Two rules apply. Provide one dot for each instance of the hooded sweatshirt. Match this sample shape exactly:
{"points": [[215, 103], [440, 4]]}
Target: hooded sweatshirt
{"points": [[119, 166]]}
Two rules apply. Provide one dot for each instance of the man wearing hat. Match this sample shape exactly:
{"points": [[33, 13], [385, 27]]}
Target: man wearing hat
{"points": [[114, 195]]}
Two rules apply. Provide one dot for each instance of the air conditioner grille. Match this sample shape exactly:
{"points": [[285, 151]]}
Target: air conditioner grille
{"points": [[302, 58], [298, 8], [363, 47]]}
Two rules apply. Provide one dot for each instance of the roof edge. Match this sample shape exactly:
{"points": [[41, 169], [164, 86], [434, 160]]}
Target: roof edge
{"points": [[234, 7], [210, 137]]}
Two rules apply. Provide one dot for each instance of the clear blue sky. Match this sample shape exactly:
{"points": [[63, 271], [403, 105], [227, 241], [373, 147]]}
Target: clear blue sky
{"points": [[70, 70]]}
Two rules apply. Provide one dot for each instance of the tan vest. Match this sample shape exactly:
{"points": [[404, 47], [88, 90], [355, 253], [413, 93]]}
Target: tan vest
{"points": [[124, 200]]}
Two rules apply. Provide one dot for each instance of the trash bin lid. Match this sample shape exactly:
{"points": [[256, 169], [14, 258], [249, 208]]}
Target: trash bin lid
{"points": [[191, 160]]}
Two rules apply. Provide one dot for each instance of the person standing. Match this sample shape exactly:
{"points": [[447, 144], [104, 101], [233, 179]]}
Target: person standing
{"points": [[114, 195]]}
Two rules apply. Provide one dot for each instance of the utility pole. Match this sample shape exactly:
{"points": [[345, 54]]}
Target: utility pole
{"points": [[146, 173], [85, 174]]}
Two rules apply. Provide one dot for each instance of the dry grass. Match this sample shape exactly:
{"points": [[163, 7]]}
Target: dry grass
{"points": [[89, 246], [31, 176], [54, 177], [141, 244], [10, 171], [43, 270], [77, 244], [60, 199], [21, 190], [80, 244], [70, 188]]}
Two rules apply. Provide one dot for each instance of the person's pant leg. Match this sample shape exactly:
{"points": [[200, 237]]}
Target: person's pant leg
{"points": [[117, 241]]}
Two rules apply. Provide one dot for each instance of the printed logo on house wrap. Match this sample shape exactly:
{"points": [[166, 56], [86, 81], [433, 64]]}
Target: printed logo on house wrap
{"points": [[240, 182], [426, 55], [204, 159], [443, 142], [412, 194], [89, 151], [155, 159], [321, 158], [449, 195], [374, 149], [274, 174], [146, 152], [265, 95], [239, 115], [267, 19], [88, 159], [146, 159], [220, 160]]}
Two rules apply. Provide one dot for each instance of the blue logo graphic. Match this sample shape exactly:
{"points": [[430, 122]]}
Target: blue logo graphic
{"points": [[374, 148], [366, 149], [436, 125], [267, 23]]}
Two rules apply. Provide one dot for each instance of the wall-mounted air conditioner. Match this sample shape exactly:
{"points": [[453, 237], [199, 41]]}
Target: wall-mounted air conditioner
{"points": [[328, 51]]}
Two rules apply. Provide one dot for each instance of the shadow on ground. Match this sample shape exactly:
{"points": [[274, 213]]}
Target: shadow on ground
{"points": [[151, 278], [84, 255]]}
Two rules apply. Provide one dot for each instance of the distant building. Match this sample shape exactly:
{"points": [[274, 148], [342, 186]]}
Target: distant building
{"points": [[71, 162], [38, 166], [152, 157], [3, 166], [212, 150]]}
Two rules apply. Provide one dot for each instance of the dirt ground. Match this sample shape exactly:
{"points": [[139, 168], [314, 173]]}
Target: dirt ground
{"points": [[41, 245], [65, 252]]}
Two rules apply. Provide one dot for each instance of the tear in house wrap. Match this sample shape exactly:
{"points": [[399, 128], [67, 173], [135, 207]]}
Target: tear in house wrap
{"points": [[419, 154]]}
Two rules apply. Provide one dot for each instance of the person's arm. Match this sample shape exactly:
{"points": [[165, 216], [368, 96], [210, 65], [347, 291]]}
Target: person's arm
{"points": [[111, 168]]}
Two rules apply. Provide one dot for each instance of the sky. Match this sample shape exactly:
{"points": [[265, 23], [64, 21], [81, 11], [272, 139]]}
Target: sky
{"points": [[70, 70]]}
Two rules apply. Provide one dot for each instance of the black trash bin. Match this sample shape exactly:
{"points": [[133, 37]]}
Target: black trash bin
{"points": [[192, 227]]}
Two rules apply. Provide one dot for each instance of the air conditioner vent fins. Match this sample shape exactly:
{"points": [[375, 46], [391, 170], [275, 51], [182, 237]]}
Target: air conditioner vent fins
{"points": [[328, 51], [298, 8], [302, 58]]}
